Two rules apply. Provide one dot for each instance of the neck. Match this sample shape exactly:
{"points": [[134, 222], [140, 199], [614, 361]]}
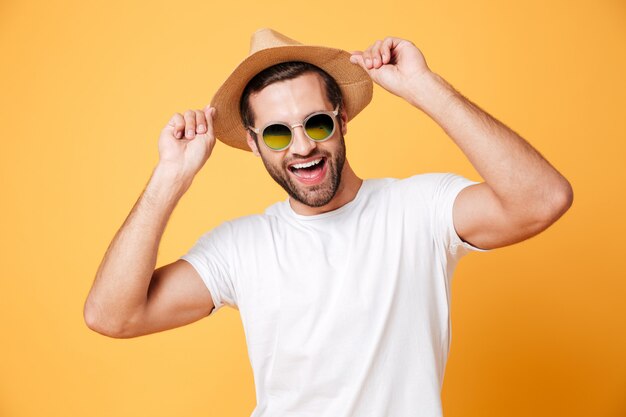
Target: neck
{"points": [[346, 192]]}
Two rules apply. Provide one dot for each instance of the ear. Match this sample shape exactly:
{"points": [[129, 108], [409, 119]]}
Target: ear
{"points": [[344, 121], [252, 144]]}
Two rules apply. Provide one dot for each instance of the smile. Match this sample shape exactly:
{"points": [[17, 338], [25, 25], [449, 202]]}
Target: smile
{"points": [[306, 164], [309, 172]]}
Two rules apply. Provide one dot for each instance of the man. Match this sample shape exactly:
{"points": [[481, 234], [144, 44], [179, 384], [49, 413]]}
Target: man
{"points": [[343, 289]]}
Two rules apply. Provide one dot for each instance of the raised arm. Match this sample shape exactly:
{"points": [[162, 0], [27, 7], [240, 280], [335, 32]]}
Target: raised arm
{"points": [[128, 297], [522, 194]]}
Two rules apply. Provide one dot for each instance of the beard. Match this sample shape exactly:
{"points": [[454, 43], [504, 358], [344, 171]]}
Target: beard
{"points": [[317, 195]]}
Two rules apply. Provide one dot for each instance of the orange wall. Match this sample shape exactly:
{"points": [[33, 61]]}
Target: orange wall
{"points": [[539, 328]]}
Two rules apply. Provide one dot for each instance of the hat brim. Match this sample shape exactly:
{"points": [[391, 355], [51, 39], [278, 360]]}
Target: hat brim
{"points": [[355, 84]]}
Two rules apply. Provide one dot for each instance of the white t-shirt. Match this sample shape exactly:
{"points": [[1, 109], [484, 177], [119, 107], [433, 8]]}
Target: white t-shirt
{"points": [[345, 313]]}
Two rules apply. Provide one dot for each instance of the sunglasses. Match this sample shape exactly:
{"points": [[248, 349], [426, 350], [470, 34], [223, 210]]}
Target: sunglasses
{"points": [[318, 127]]}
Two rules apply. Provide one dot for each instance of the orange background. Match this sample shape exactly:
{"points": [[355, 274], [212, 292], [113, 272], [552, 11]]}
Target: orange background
{"points": [[539, 328]]}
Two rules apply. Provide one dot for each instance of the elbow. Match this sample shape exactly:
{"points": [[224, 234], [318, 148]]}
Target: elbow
{"points": [[563, 197], [557, 201], [101, 323]]}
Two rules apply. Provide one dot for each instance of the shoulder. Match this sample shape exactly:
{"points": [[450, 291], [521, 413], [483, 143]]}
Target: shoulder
{"points": [[433, 184], [247, 224], [421, 191], [426, 183], [426, 180], [230, 231]]}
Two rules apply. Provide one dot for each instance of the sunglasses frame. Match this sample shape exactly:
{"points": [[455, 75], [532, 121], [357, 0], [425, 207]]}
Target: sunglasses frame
{"points": [[333, 115]]}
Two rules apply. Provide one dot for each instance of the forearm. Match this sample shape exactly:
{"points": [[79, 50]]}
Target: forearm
{"points": [[518, 175], [120, 289]]}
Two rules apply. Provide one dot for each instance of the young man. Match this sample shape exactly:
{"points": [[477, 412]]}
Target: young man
{"points": [[344, 288]]}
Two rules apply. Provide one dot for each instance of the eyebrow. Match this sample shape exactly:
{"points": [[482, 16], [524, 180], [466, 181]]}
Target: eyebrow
{"points": [[282, 121]]}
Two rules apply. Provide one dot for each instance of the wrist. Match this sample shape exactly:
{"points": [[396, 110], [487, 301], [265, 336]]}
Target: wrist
{"points": [[168, 181], [430, 93]]}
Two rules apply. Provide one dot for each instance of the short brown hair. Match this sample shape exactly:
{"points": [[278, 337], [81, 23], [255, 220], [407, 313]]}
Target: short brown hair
{"points": [[281, 72]]}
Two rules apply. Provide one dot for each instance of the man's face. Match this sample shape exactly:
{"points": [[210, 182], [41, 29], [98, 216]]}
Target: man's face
{"points": [[291, 101]]}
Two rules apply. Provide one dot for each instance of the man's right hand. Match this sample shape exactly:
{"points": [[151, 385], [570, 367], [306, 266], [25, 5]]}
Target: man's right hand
{"points": [[186, 142], [129, 297]]}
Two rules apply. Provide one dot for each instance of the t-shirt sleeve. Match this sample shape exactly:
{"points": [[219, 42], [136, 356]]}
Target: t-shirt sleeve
{"points": [[446, 190], [209, 256]]}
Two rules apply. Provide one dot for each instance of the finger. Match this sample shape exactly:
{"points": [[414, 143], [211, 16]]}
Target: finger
{"points": [[190, 124], [355, 56], [200, 122], [385, 50], [209, 113], [367, 58], [360, 61], [377, 60], [176, 125]]}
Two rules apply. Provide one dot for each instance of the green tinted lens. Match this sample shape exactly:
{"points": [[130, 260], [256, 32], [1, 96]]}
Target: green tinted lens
{"points": [[277, 136], [320, 126]]}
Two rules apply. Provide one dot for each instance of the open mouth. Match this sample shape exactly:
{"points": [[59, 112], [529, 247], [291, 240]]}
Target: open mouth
{"points": [[309, 171]]}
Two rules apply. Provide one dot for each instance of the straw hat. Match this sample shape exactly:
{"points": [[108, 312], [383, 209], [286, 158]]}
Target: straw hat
{"points": [[268, 47]]}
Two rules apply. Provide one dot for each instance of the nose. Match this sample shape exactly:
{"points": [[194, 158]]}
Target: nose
{"points": [[301, 144]]}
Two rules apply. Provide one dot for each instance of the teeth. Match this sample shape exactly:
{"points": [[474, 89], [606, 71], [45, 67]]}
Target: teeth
{"points": [[307, 164]]}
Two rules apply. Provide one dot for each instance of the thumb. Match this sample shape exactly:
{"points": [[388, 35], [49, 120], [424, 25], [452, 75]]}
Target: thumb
{"points": [[357, 59], [209, 113], [170, 127], [172, 122]]}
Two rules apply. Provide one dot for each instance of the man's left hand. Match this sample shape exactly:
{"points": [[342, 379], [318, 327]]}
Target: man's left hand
{"points": [[395, 64]]}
